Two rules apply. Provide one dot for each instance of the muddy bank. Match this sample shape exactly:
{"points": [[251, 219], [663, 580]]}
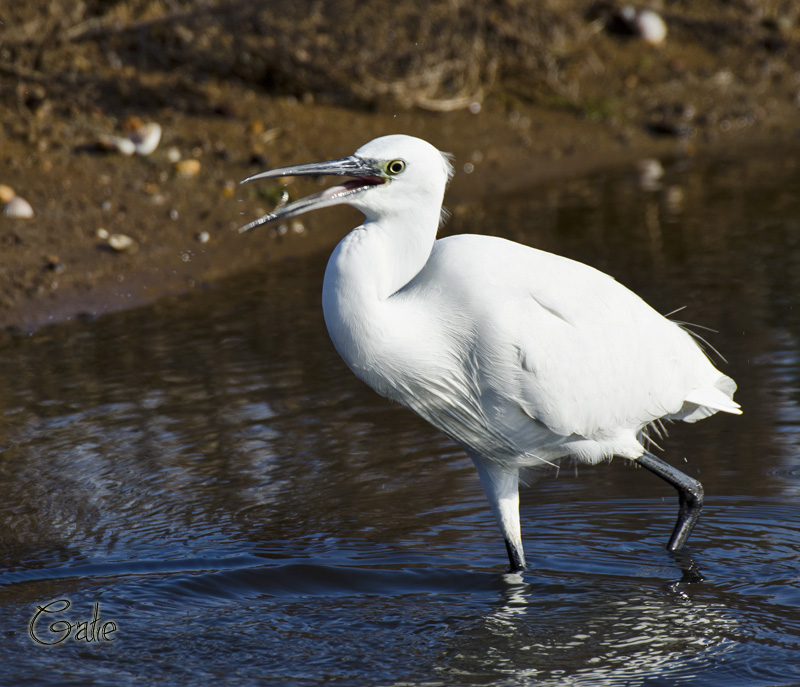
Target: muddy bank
{"points": [[724, 79]]}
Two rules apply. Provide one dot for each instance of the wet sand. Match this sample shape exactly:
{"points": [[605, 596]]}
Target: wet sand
{"points": [[680, 99]]}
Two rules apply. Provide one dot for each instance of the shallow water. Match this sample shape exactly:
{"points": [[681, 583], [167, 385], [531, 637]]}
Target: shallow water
{"points": [[209, 474]]}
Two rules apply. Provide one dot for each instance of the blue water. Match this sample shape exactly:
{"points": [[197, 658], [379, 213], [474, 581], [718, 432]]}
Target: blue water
{"points": [[209, 476]]}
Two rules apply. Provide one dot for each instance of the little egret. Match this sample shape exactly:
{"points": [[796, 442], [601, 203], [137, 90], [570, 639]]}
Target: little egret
{"points": [[522, 357]]}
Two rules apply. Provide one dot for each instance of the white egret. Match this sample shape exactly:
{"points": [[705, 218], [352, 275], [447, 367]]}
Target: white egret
{"points": [[520, 356]]}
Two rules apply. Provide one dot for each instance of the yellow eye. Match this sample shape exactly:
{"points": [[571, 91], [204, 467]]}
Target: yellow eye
{"points": [[395, 167]]}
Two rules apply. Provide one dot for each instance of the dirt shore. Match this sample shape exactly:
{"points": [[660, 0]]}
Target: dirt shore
{"points": [[726, 77]]}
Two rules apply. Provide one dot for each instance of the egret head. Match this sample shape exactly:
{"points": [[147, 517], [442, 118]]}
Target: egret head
{"points": [[390, 174]]}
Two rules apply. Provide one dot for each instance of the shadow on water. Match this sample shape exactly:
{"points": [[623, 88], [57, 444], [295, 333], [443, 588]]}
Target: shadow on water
{"points": [[209, 473]]}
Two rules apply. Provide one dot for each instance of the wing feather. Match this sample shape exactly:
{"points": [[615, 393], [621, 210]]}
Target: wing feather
{"points": [[576, 350]]}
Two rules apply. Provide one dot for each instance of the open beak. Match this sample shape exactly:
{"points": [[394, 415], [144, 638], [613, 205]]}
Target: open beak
{"points": [[366, 175]]}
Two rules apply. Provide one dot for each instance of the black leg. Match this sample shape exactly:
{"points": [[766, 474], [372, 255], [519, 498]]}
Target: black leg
{"points": [[690, 497], [515, 557]]}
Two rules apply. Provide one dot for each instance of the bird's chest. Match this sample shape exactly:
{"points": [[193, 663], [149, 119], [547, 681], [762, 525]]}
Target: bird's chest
{"points": [[423, 354], [403, 353]]}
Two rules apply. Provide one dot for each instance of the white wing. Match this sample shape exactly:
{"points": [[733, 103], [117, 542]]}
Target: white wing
{"points": [[569, 347]]}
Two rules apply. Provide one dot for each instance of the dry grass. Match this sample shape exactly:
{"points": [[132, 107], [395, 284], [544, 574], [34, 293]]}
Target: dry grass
{"points": [[437, 55]]}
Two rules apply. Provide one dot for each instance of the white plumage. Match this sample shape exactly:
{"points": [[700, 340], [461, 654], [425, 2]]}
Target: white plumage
{"points": [[521, 356]]}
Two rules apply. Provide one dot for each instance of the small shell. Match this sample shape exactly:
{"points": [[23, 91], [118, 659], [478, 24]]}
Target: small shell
{"points": [[101, 233], [6, 193], [18, 208], [203, 237], [186, 169], [146, 138], [122, 243], [116, 144]]}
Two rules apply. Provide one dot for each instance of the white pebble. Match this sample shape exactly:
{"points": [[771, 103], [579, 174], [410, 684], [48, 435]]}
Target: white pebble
{"points": [[650, 172], [173, 154], [647, 24]]}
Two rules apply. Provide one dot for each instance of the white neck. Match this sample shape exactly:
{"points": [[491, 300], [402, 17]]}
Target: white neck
{"points": [[373, 262]]}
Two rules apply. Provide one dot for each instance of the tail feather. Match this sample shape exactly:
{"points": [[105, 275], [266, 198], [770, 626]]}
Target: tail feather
{"points": [[700, 403]]}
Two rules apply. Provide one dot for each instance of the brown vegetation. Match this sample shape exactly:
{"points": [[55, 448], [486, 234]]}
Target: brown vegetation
{"points": [[521, 90]]}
